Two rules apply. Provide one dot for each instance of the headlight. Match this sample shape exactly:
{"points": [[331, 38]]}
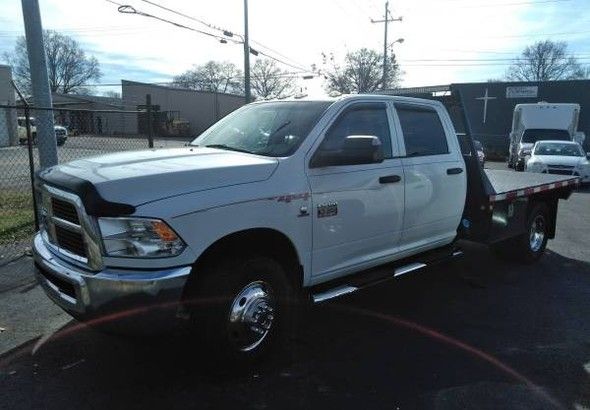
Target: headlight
{"points": [[139, 237]]}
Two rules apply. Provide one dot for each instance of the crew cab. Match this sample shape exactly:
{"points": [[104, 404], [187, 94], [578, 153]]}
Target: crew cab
{"points": [[278, 203]]}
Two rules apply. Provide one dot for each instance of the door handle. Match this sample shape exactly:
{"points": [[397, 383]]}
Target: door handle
{"points": [[454, 171], [390, 179]]}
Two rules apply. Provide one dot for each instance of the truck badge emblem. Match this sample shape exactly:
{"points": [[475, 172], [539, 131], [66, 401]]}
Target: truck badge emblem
{"points": [[327, 210]]}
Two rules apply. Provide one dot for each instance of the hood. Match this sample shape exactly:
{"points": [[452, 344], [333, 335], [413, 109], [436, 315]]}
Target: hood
{"points": [[139, 177], [560, 160]]}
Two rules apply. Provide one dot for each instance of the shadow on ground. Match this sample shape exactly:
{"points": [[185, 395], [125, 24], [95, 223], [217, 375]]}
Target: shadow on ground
{"points": [[475, 334]]}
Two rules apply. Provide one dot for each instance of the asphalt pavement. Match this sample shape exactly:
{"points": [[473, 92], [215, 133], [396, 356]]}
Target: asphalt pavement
{"points": [[480, 333]]}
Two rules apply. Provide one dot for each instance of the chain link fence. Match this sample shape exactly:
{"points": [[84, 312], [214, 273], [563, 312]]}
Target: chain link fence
{"points": [[79, 133]]}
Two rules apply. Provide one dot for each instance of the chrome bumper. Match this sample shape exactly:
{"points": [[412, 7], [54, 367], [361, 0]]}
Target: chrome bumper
{"points": [[87, 295]]}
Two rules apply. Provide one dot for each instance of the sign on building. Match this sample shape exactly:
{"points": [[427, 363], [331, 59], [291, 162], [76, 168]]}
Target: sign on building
{"points": [[531, 91]]}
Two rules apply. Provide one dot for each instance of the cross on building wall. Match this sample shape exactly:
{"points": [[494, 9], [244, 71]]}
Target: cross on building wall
{"points": [[485, 99]]}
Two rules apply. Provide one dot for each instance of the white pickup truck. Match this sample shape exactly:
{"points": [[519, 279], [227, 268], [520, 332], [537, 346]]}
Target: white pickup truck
{"points": [[277, 203]]}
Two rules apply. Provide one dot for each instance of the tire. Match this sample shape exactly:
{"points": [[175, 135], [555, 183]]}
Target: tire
{"points": [[530, 246], [225, 298]]}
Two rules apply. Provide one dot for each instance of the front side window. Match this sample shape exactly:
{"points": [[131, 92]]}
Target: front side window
{"points": [[423, 132], [274, 129], [567, 150], [362, 119]]}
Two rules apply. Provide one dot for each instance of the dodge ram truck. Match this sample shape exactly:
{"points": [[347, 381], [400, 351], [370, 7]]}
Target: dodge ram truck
{"points": [[277, 203]]}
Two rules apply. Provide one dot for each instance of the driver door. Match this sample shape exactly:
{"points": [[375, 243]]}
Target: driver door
{"points": [[357, 209]]}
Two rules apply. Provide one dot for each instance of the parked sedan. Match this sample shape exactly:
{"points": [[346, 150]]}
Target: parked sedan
{"points": [[559, 157]]}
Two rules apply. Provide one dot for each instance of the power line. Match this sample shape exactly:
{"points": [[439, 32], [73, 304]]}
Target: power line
{"points": [[287, 74], [228, 33], [493, 4], [475, 59], [126, 9], [211, 26]]}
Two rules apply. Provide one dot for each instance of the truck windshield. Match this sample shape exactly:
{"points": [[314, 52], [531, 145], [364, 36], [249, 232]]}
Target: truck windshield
{"points": [[556, 148], [534, 135], [273, 129]]}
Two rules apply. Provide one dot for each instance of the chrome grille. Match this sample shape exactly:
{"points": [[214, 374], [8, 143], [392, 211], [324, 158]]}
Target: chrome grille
{"points": [[561, 172], [71, 241], [557, 166], [67, 228], [64, 210]]}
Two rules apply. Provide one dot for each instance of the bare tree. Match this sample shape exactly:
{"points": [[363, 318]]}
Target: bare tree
{"points": [[362, 72], [68, 66], [545, 61], [112, 94], [269, 81], [221, 77]]}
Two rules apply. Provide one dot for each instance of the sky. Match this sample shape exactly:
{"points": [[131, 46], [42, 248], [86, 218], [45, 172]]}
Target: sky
{"points": [[445, 41]]}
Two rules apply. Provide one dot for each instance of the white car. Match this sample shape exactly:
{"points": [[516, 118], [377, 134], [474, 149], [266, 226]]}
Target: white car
{"points": [[559, 157], [61, 133]]}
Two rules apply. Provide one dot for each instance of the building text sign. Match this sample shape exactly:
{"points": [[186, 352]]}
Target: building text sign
{"points": [[530, 91]]}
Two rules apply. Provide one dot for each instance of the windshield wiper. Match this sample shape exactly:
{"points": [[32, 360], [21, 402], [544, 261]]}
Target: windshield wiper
{"points": [[227, 147], [275, 132]]}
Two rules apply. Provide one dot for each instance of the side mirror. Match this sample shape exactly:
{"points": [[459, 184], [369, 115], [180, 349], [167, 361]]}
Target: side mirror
{"points": [[356, 150]]}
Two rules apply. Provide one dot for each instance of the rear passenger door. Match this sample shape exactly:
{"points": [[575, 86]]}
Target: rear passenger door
{"points": [[435, 177]]}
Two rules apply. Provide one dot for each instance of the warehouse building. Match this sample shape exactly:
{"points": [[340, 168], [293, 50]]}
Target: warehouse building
{"points": [[8, 130], [180, 110], [489, 106]]}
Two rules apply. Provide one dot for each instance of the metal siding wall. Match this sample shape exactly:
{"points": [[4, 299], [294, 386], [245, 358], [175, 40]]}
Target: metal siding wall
{"points": [[494, 133], [196, 107], [8, 124]]}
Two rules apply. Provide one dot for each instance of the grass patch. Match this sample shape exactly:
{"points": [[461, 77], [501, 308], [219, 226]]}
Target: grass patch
{"points": [[17, 220]]}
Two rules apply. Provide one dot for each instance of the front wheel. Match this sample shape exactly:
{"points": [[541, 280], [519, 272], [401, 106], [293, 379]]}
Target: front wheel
{"points": [[242, 307]]}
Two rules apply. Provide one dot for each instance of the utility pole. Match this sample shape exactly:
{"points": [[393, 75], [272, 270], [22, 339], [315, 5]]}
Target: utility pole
{"points": [[246, 55], [387, 19], [40, 84]]}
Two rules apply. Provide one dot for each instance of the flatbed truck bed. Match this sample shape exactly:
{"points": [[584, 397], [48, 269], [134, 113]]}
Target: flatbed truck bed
{"points": [[506, 184]]}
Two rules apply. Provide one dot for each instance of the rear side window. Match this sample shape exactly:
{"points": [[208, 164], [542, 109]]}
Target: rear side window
{"points": [[361, 119], [423, 132]]}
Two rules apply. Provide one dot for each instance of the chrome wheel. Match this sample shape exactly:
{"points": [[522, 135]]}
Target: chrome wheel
{"points": [[537, 233], [251, 316]]}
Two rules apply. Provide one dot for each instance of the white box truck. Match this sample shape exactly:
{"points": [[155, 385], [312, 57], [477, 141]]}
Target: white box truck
{"points": [[541, 121]]}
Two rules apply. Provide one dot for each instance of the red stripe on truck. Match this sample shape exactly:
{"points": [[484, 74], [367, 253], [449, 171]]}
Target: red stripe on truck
{"points": [[533, 190]]}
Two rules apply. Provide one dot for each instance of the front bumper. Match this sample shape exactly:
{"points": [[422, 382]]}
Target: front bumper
{"points": [[110, 293]]}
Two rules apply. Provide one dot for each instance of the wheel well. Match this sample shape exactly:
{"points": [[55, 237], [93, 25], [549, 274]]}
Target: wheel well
{"points": [[551, 203], [259, 241]]}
